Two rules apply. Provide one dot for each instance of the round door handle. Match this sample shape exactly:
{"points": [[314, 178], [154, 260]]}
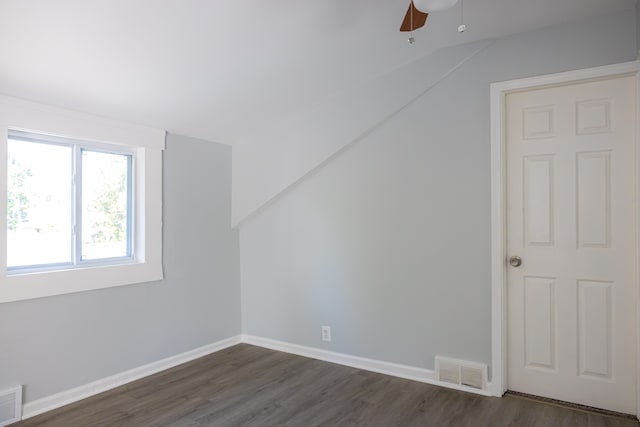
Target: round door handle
{"points": [[515, 261]]}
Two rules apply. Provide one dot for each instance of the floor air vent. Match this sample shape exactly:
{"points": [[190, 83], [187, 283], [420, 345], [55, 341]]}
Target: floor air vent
{"points": [[461, 372], [10, 406]]}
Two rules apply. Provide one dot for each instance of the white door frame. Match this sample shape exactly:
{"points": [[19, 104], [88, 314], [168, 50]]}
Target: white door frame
{"points": [[498, 205]]}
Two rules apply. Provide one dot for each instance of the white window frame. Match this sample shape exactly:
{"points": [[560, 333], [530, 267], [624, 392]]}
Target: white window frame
{"points": [[77, 148], [146, 145]]}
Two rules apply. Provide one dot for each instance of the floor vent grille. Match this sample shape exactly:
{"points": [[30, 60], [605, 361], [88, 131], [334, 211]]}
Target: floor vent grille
{"points": [[10, 406], [461, 372]]}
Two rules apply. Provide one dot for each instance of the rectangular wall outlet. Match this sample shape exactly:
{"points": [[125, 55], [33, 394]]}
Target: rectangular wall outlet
{"points": [[326, 333]]}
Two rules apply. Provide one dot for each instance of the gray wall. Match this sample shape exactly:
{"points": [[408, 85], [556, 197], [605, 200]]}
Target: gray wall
{"points": [[56, 343], [638, 27], [389, 244]]}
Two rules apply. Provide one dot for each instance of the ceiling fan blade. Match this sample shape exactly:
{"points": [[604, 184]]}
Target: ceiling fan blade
{"points": [[419, 18]]}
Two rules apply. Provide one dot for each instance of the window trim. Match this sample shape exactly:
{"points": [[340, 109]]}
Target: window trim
{"points": [[146, 145]]}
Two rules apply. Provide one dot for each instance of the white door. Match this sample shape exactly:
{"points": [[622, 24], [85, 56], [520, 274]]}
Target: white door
{"points": [[570, 212]]}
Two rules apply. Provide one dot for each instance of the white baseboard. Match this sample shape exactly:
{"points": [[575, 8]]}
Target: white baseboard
{"points": [[387, 368], [66, 397]]}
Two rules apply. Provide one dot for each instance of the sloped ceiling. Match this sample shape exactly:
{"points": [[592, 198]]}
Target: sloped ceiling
{"points": [[222, 70]]}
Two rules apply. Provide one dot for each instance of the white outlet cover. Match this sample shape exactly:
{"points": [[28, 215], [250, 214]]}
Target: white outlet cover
{"points": [[326, 333]]}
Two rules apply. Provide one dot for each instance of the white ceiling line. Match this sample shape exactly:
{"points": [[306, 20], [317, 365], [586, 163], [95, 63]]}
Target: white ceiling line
{"points": [[358, 139]]}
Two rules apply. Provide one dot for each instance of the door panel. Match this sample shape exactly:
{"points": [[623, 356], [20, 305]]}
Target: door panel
{"points": [[570, 217], [540, 345]]}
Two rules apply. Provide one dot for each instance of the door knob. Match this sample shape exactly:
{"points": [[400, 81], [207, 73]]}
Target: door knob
{"points": [[515, 261]]}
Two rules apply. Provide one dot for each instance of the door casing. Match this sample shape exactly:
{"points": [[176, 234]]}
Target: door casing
{"points": [[498, 206]]}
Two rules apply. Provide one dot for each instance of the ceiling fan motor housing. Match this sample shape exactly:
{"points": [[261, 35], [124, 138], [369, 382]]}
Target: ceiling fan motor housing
{"points": [[434, 5]]}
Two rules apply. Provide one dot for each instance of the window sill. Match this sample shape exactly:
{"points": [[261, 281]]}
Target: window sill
{"points": [[52, 268], [40, 284]]}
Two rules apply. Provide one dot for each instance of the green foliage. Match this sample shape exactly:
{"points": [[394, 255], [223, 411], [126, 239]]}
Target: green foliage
{"points": [[18, 195], [107, 209], [104, 210]]}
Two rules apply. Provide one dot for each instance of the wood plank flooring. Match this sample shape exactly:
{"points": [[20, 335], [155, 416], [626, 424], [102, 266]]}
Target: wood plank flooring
{"points": [[251, 386]]}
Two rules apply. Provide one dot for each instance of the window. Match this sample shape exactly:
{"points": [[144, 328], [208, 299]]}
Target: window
{"points": [[83, 202], [69, 203]]}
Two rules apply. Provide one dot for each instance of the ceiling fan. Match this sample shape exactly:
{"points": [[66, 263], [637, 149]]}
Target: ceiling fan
{"points": [[418, 12]]}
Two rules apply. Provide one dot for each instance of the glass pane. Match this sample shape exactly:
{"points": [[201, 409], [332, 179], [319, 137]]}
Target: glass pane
{"points": [[39, 211], [105, 205]]}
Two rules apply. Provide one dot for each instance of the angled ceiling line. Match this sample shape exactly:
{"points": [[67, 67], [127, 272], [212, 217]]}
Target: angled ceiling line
{"points": [[360, 137]]}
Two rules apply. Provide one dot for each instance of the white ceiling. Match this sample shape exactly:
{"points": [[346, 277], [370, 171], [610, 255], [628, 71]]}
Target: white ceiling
{"points": [[213, 69]]}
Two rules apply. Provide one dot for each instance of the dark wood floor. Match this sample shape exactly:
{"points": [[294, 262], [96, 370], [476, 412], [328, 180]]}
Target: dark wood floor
{"points": [[251, 386]]}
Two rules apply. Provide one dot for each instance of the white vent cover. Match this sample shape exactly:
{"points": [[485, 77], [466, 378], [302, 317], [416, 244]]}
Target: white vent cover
{"points": [[461, 372], [10, 406]]}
